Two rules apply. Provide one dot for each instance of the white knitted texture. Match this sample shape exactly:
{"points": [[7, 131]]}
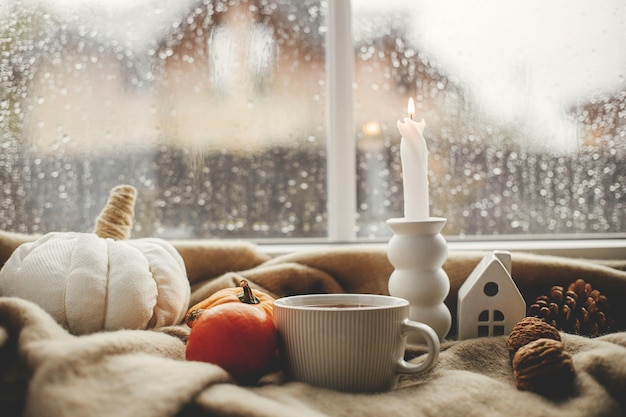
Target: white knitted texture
{"points": [[90, 284]]}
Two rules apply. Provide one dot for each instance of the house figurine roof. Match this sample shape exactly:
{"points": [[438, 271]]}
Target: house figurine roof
{"points": [[489, 302]]}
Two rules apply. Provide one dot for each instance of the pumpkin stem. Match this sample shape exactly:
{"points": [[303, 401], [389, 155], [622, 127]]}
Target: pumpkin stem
{"points": [[116, 218], [247, 296], [193, 316]]}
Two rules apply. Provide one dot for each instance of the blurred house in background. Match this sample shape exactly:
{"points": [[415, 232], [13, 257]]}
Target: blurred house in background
{"points": [[240, 76]]}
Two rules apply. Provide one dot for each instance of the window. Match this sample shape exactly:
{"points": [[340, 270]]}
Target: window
{"points": [[493, 326], [271, 119], [491, 289], [222, 62]]}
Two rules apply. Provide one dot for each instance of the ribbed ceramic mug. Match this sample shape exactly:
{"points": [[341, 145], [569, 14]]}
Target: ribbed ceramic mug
{"points": [[350, 342]]}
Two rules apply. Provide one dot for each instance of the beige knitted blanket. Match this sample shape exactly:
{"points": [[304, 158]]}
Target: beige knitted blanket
{"points": [[44, 371]]}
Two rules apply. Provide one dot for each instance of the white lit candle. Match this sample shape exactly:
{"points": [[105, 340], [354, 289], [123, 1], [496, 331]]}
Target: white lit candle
{"points": [[414, 158]]}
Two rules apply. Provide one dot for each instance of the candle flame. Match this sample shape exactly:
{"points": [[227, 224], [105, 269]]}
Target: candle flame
{"points": [[411, 108]]}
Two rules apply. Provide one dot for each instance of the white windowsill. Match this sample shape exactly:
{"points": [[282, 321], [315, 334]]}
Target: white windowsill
{"points": [[607, 249]]}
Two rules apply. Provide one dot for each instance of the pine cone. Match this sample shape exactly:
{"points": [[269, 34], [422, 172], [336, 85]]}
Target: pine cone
{"points": [[579, 310]]}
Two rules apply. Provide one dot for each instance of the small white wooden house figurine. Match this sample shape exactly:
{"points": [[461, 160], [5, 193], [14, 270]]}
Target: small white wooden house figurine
{"points": [[489, 302]]}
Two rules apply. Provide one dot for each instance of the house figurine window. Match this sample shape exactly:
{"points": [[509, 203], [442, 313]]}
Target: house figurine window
{"points": [[489, 302]]}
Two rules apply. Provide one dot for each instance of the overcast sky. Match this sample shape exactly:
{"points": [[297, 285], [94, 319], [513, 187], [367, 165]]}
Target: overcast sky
{"points": [[568, 47], [528, 61]]}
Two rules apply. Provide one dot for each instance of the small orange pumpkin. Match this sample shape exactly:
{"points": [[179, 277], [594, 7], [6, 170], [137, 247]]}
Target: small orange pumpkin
{"points": [[258, 299], [234, 329]]}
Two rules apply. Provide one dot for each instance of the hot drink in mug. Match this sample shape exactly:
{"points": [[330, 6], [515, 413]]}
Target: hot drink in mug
{"points": [[350, 342]]}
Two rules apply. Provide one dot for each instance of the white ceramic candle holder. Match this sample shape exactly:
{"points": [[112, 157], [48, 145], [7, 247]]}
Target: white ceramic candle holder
{"points": [[417, 251]]}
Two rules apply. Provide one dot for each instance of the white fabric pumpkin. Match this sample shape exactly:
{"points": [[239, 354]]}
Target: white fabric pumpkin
{"points": [[88, 283]]}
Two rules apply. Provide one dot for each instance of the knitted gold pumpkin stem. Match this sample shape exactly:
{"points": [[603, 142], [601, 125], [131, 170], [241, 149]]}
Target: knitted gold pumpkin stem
{"points": [[116, 219]]}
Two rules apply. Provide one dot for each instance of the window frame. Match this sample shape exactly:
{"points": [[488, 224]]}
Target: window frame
{"points": [[341, 166], [609, 249], [341, 145], [341, 191]]}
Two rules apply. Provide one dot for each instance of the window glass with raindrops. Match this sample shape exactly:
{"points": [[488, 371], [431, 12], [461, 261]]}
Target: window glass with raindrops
{"points": [[216, 111]]}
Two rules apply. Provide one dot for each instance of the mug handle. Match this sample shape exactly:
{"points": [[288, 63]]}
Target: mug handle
{"points": [[432, 340]]}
